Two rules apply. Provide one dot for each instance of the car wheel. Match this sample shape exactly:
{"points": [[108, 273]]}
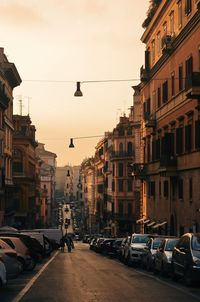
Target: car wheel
{"points": [[32, 265], [155, 271], [187, 277], [162, 270], [22, 263], [173, 273]]}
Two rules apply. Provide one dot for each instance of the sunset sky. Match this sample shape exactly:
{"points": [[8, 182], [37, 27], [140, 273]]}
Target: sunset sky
{"points": [[65, 41]]}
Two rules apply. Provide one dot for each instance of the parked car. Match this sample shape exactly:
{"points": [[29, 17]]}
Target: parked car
{"points": [[10, 260], [115, 248], [35, 248], [186, 258], [105, 247], [42, 239], [134, 249], [147, 258], [54, 236], [93, 243], [23, 253], [2, 274], [163, 256]]}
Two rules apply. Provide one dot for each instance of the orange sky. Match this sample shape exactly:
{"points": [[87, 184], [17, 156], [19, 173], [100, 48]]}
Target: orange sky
{"points": [[73, 40]]}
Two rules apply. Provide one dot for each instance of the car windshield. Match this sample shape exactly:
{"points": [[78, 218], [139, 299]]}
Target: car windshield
{"points": [[156, 244], [171, 244], [196, 243], [140, 239]]}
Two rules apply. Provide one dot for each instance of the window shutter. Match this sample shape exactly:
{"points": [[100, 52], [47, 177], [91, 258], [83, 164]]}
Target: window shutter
{"points": [[188, 138], [197, 134], [179, 140]]}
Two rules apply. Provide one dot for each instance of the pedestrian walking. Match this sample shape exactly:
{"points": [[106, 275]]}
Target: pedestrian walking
{"points": [[69, 243], [62, 244]]}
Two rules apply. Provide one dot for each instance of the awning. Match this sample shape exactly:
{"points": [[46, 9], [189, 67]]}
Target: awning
{"points": [[147, 221], [156, 226], [140, 220], [151, 223], [162, 223]]}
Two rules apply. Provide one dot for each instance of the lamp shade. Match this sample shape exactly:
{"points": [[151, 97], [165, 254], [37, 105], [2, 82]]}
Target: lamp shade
{"points": [[71, 145], [78, 91]]}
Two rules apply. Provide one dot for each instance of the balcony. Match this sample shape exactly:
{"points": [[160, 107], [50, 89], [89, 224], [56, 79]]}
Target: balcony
{"points": [[192, 86], [139, 171], [166, 43], [168, 166], [150, 120], [121, 154]]}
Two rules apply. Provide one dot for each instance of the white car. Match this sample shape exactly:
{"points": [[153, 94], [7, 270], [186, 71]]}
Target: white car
{"points": [[134, 249], [2, 274]]}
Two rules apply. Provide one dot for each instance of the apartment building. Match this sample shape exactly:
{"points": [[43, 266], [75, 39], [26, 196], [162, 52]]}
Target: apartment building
{"points": [[24, 172], [9, 79], [170, 125]]}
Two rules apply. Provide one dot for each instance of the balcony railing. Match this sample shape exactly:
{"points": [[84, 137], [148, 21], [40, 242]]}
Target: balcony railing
{"points": [[192, 85], [124, 217], [122, 154]]}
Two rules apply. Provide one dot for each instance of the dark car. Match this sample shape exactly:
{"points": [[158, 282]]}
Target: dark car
{"points": [[115, 247], [186, 258], [105, 247], [163, 256]]}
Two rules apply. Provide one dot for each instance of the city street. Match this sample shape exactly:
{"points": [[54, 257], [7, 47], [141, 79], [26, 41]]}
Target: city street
{"points": [[83, 276]]}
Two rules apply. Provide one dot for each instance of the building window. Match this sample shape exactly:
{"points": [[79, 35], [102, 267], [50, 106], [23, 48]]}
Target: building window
{"points": [[121, 210], [179, 140], [180, 14], [188, 71], [159, 97], [120, 185], [190, 189], [165, 92], [159, 43], [113, 170], [180, 77], [188, 6], [188, 138], [172, 23], [199, 57], [121, 169], [129, 185], [172, 84], [130, 148], [153, 50], [180, 188], [113, 186], [166, 189], [197, 134], [121, 148], [129, 209], [152, 188]]}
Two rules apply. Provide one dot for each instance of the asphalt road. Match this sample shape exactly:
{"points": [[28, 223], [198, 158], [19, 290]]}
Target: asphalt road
{"points": [[84, 276]]}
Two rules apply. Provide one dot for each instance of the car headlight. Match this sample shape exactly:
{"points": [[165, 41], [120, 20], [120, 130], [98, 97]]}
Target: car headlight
{"points": [[169, 259]]}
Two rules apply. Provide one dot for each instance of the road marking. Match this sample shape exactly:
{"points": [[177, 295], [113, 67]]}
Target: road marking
{"points": [[32, 281]]}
